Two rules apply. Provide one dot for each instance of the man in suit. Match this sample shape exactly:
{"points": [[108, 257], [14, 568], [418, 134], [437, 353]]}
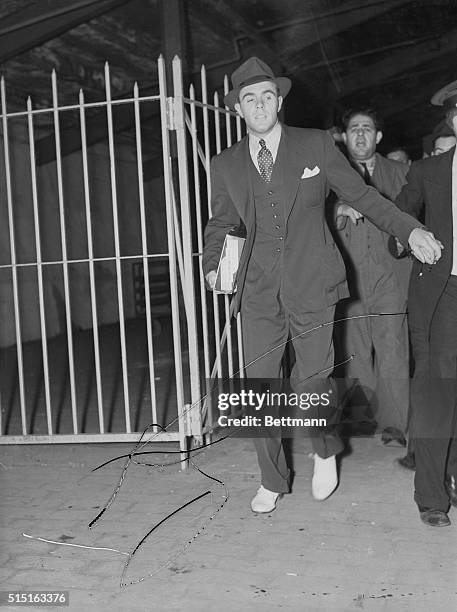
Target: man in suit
{"points": [[275, 180], [378, 283], [443, 139], [431, 188]]}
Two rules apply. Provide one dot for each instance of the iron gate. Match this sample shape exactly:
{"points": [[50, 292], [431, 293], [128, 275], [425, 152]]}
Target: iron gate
{"points": [[60, 317]]}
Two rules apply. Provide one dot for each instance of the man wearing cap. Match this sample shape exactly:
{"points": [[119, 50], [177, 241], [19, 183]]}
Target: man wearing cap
{"points": [[275, 180], [378, 282], [431, 190]]}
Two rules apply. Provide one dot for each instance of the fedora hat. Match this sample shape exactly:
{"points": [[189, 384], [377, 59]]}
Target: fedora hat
{"points": [[252, 71]]}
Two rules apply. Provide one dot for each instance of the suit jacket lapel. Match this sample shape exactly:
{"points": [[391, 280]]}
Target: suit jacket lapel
{"points": [[295, 158], [241, 181], [443, 178], [293, 168], [439, 179], [440, 183]]}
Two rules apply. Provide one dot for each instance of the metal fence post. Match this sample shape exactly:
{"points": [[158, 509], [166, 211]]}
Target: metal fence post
{"points": [[188, 282]]}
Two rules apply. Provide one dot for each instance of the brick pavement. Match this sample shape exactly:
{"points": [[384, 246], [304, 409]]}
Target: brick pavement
{"points": [[362, 549]]}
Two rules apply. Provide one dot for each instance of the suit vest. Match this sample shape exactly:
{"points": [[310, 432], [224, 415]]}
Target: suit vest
{"points": [[268, 249]]}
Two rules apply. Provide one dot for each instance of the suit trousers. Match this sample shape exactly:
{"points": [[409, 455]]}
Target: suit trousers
{"points": [[379, 369], [435, 407], [267, 326]]}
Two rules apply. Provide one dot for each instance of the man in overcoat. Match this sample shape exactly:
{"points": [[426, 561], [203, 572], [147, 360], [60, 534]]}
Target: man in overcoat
{"points": [[378, 283], [291, 275]]}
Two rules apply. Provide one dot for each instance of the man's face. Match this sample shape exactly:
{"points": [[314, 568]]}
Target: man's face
{"points": [[443, 144], [259, 105], [361, 137]]}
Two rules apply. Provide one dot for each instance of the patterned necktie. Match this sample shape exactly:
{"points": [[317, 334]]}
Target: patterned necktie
{"points": [[265, 161], [366, 173]]}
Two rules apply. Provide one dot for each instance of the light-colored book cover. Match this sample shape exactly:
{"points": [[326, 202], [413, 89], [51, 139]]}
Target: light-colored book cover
{"points": [[228, 264]]}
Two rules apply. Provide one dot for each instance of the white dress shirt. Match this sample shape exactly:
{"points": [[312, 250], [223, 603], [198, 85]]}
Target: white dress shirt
{"points": [[271, 142]]}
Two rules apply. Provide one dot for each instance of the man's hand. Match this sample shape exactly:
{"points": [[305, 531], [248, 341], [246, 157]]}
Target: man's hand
{"points": [[344, 210], [424, 246], [211, 279]]}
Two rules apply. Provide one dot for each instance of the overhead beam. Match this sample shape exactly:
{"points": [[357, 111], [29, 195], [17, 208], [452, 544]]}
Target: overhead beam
{"points": [[260, 44], [336, 21], [173, 33], [42, 21], [173, 42], [398, 62], [236, 24], [350, 15]]}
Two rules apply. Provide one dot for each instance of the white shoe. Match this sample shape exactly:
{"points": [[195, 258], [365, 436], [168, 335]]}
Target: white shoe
{"points": [[325, 477], [264, 501]]}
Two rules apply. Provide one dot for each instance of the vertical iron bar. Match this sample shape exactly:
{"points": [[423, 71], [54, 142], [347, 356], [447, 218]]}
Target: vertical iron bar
{"points": [[179, 250], [63, 240], [117, 248], [188, 281], [239, 330], [17, 315], [207, 147], [144, 246], [90, 247], [44, 346], [198, 215], [172, 257], [239, 323], [239, 135], [227, 327]]}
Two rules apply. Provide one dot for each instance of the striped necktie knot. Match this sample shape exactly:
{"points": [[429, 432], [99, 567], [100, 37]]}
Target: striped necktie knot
{"points": [[366, 173]]}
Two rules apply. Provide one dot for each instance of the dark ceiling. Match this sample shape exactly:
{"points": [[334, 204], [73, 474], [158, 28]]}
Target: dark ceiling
{"points": [[391, 54]]}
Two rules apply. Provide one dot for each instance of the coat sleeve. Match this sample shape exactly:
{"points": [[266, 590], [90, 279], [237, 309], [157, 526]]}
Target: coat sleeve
{"points": [[223, 217], [411, 197], [350, 187]]}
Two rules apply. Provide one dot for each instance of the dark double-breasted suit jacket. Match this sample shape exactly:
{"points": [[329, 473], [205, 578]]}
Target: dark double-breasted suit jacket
{"points": [[313, 272], [429, 190]]}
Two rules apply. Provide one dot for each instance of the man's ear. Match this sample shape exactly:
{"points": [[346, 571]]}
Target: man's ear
{"points": [[280, 100], [454, 124], [378, 136], [238, 109], [345, 138]]}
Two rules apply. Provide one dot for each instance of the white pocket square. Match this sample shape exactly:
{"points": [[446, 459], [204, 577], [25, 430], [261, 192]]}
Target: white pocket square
{"points": [[307, 173]]}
